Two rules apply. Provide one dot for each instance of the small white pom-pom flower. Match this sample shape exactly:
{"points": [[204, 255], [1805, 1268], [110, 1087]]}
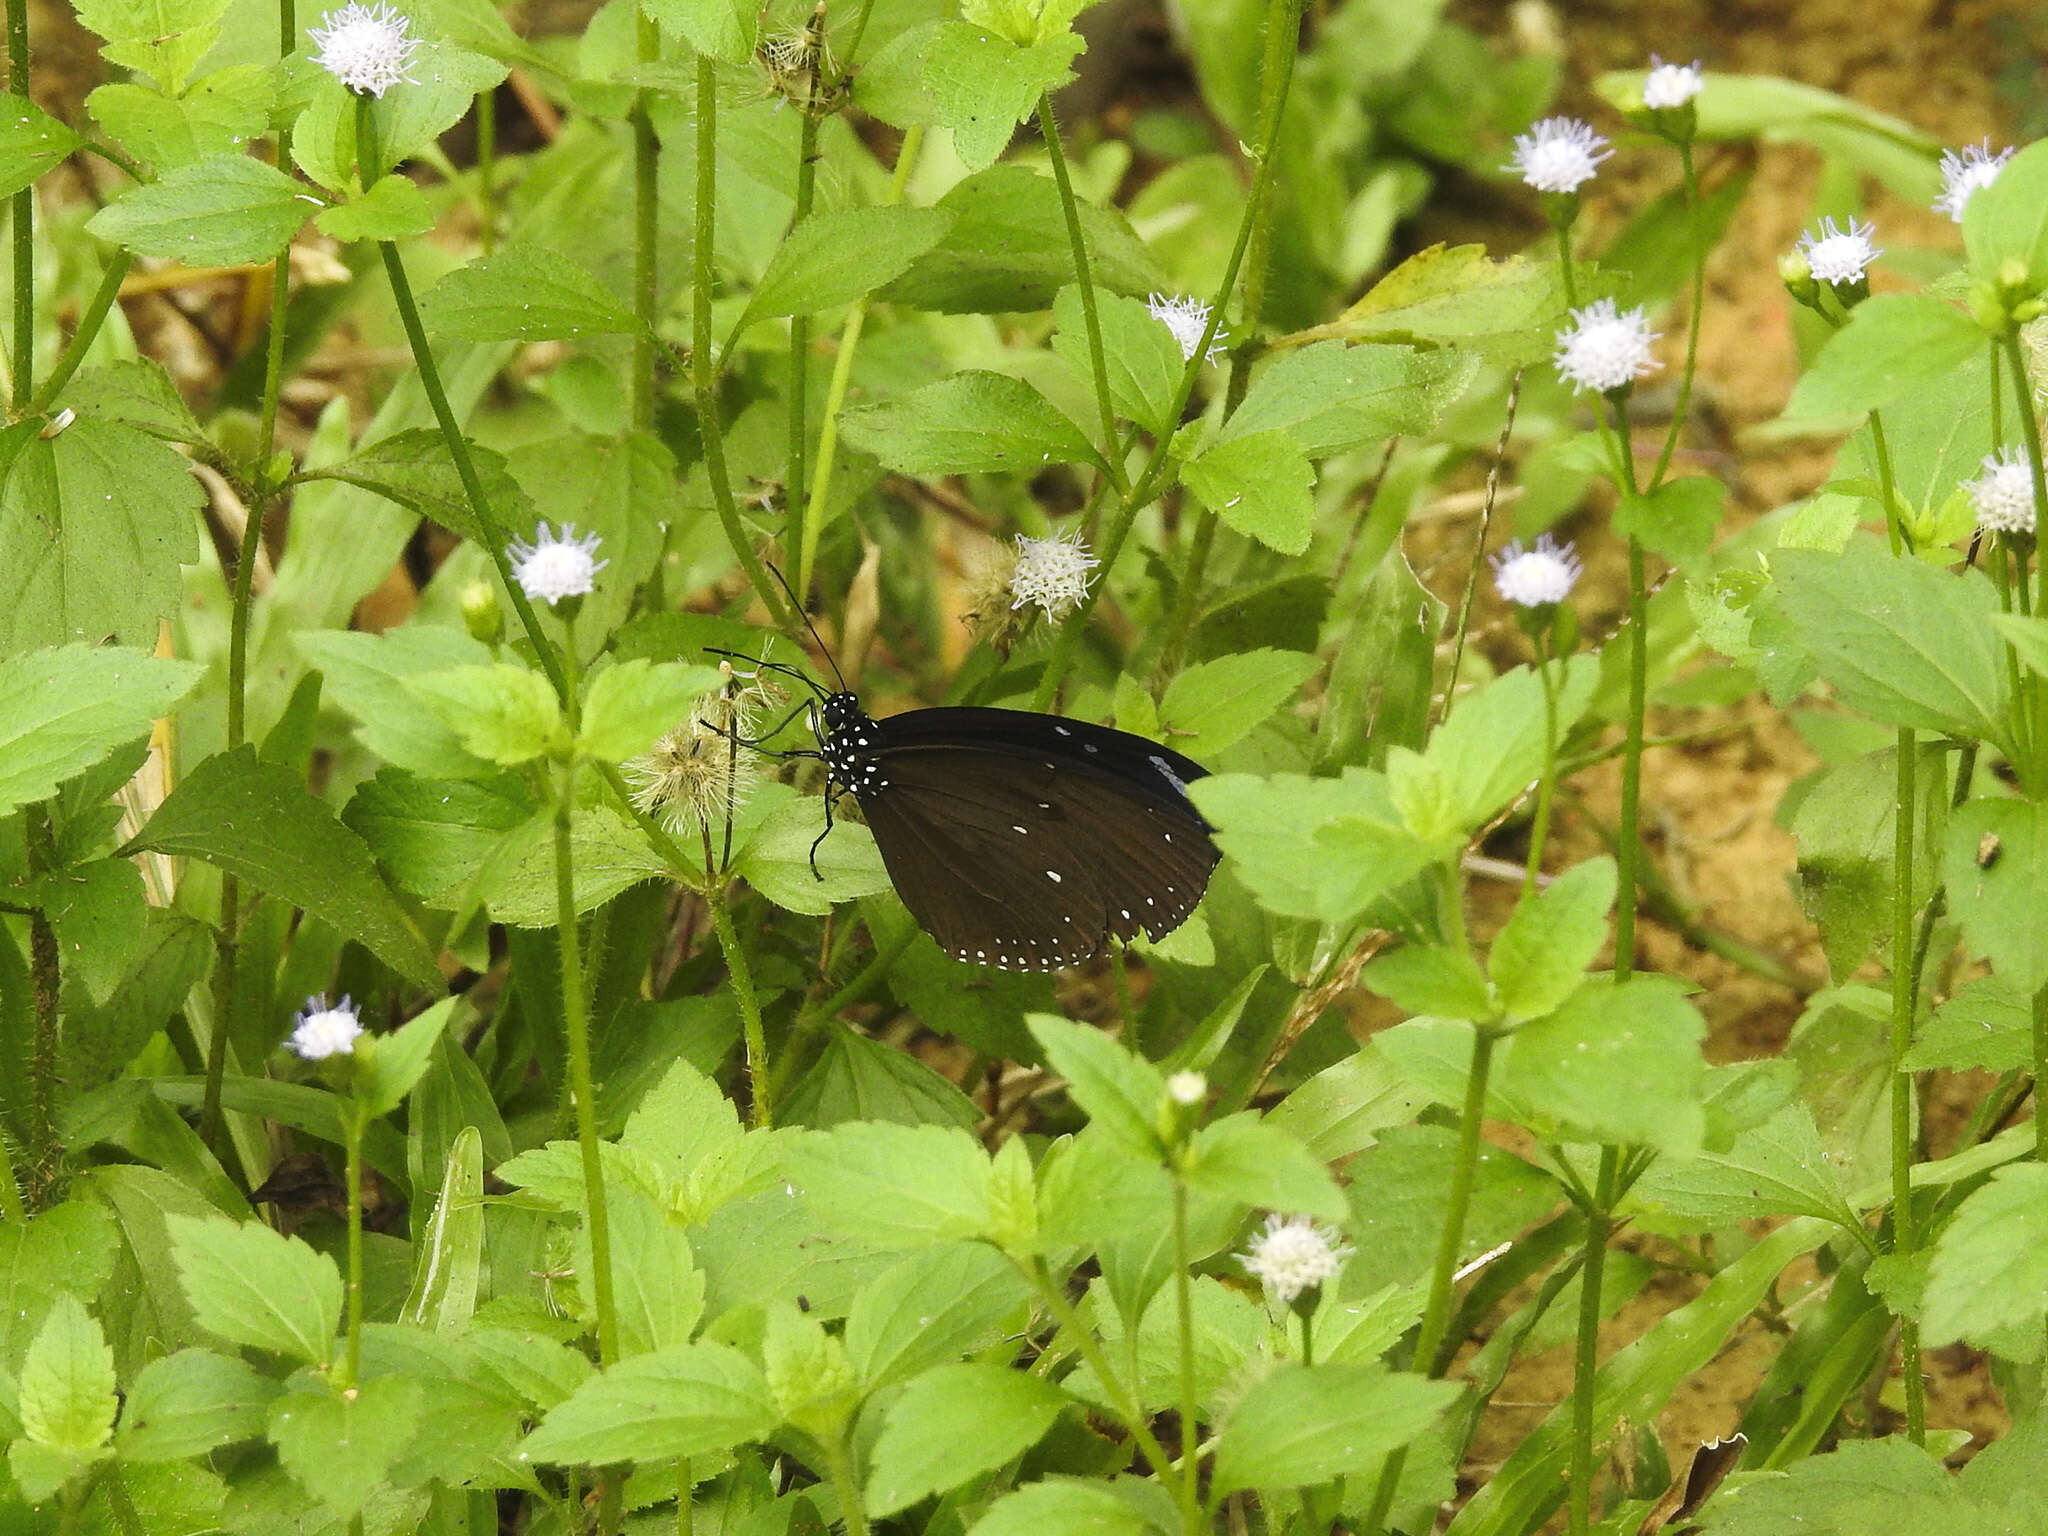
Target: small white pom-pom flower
{"points": [[1839, 256], [1604, 348], [2004, 493], [365, 47], [555, 566], [1967, 172], [1671, 85], [695, 774], [319, 1031], [1539, 577], [1187, 1088], [1052, 573], [1559, 154], [1186, 318], [1293, 1255]]}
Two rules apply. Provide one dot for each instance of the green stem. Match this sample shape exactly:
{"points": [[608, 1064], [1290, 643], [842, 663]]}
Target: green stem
{"points": [[487, 169], [1586, 1362], [1184, 1310], [846, 1487], [1486, 506], [1123, 1402], [646, 230], [24, 223], [227, 951], [1077, 243], [703, 366], [1546, 786], [1068, 641], [796, 487], [352, 1128], [45, 980], [89, 322], [1692, 326], [1905, 1238], [1630, 844], [2040, 1073], [759, 1073], [11, 1208]]}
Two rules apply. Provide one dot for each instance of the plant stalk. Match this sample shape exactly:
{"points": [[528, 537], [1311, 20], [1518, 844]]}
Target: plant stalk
{"points": [[23, 224], [760, 1077], [1077, 243], [1586, 1360], [646, 230]]}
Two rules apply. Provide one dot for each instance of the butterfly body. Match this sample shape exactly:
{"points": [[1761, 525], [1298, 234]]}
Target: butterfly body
{"points": [[1019, 840]]}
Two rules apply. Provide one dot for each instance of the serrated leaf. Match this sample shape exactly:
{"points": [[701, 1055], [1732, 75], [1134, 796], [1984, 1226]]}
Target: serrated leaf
{"points": [[1121, 1093], [1994, 868], [971, 421], [984, 85], [693, 1400], [160, 38], [933, 1305], [921, 1450], [1507, 310], [523, 293], [1332, 398], [1304, 1425], [61, 711], [720, 29], [1141, 357], [1990, 1269], [94, 523], [837, 256], [99, 913], [255, 819], [776, 860], [896, 1186], [365, 676], [397, 1059], [504, 714], [1431, 979], [1261, 485], [31, 143], [1778, 1168], [391, 210], [1894, 345], [1068, 1504], [339, 1447], [1675, 521], [190, 1403], [218, 115], [135, 393], [630, 704], [1213, 705], [1242, 1158], [2008, 223], [66, 1389], [249, 1285], [1540, 956], [219, 212], [1617, 1064]]}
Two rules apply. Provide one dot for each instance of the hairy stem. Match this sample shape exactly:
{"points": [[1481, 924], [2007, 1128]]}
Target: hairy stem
{"points": [[90, 320], [1184, 1314], [1586, 1357], [352, 1128], [1629, 851], [24, 223], [646, 230], [1077, 244], [760, 1076]]}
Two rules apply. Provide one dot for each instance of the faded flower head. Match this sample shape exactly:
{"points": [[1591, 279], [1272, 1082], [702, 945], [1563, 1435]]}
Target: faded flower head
{"points": [[1605, 349], [555, 566], [1052, 572], [1293, 1255], [2004, 493], [1966, 172], [1186, 318], [365, 47], [1536, 578], [1671, 85], [319, 1031], [695, 773], [1559, 154], [1839, 256]]}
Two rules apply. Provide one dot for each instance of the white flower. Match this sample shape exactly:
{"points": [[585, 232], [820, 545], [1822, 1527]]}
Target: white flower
{"points": [[365, 48], [695, 774], [2004, 493], [1293, 1254], [1966, 173], [319, 1031], [554, 567], [1671, 85], [1603, 349], [1187, 1088], [1187, 318], [1052, 573], [1559, 154], [1839, 256], [1539, 577]]}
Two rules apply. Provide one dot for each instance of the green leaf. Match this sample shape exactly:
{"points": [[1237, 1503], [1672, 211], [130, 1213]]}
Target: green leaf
{"points": [[934, 1305], [837, 256], [1242, 1158], [1990, 1268], [1988, 1022], [856, 1078], [630, 704], [501, 713], [94, 523], [1399, 1188], [255, 820], [1141, 357], [1007, 250], [398, 1059], [1216, 704], [2006, 221], [99, 913], [66, 1389], [1490, 749], [523, 293], [1261, 485], [1899, 640], [70, 1247], [1342, 1108], [694, 1400], [1894, 346], [219, 212], [135, 393], [250, 1285], [448, 1273], [1431, 979], [921, 1449], [62, 711], [436, 836], [2028, 636], [339, 1448], [1778, 1168], [1333, 398], [776, 860], [160, 38], [896, 1186], [1304, 1425], [1677, 520], [1616, 1064], [1067, 1504], [970, 421], [1540, 956], [1313, 848], [1506, 310], [658, 1288], [365, 675], [190, 1403], [721, 29], [31, 143], [984, 85], [1815, 1489], [1994, 868], [393, 209], [610, 854], [414, 469], [217, 115], [1121, 1092]]}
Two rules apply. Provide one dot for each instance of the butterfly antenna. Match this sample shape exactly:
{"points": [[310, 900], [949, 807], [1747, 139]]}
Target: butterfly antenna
{"points": [[802, 613], [762, 664]]}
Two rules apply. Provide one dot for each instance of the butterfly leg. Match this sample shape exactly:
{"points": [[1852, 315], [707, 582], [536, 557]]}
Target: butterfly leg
{"points": [[832, 794]]}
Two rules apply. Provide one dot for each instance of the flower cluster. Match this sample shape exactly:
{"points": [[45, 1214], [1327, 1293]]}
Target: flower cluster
{"points": [[2003, 493], [1837, 256], [1540, 577], [1604, 348], [1292, 1255], [366, 48], [1965, 173], [1186, 319], [1053, 573], [319, 1031], [1671, 85], [695, 773], [555, 566], [1559, 154]]}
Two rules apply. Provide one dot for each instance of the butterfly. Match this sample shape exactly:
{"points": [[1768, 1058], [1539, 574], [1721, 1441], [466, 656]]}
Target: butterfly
{"points": [[1018, 840]]}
